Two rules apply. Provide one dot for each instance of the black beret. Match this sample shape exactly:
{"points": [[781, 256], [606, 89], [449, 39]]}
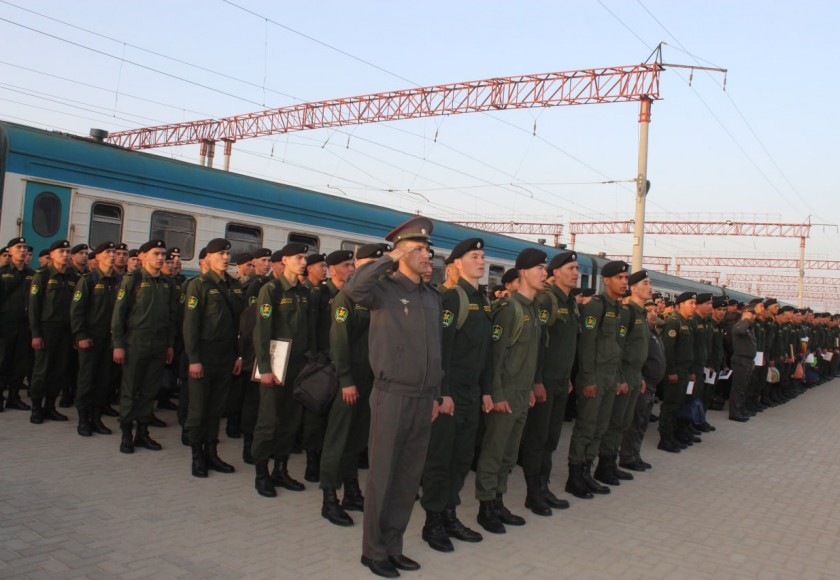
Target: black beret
{"points": [[656, 295], [293, 249], [704, 297], [91, 255], [463, 247], [431, 253], [614, 268], [338, 257], [217, 245], [30, 249], [121, 246], [175, 251], [755, 301], [151, 244], [104, 246], [59, 244], [719, 302], [243, 258], [770, 302], [43, 253], [498, 288], [372, 251], [787, 308], [79, 248], [510, 276], [202, 253], [417, 228], [669, 303], [4, 250], [168, 257], [575, 291], [637, 277], [133, 253], [561, 260], [732, 302], [262, 253], [312, 258], [529, 258], [277, 256], [587, 292], [15, 241], [685, 296]]}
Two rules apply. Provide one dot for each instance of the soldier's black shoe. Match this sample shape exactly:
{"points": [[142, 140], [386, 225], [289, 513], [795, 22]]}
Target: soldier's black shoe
{"points": [[232, 428], [402, 563], [157, 422], [83, 428], [622, 475], [382, 568], [534, 499], [678, 443], [97, 426], [144, 440], [632, 465], [605, 472], [695, 430], [332, 512], [312, 473], [263, 483], [594, 486], [435, 535], [280, 477], [576, 485], [15, 402], [488, 518], [36, 417], [199, 461], [552, 500], [643, 463], [127, 442], [739, 418], [353, 500], [667, 444], [109, 411], [214, 462], [709, 428], [455, 529], [505, 515], [53, 415]]}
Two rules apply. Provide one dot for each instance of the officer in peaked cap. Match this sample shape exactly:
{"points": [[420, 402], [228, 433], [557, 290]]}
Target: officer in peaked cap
{"points": [[15, 339]]}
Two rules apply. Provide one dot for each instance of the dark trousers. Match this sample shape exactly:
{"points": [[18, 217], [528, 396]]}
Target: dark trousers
{"points": [[208, 397], [742, 372], [52, 364], [141, 377], [17, 355], [399, 439], [673, 395], [624, 409], [94, 375], [451, 449], [543, 427], [314, 429], [250, 407], [631, 443], [278, 419], [348, 427]]}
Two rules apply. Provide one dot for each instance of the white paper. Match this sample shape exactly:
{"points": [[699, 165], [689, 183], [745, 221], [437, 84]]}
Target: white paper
{"points": [[690, 388], [827, 356], [809, 360], [725, 374], [279, 351], [759, 359], [710, 376]]}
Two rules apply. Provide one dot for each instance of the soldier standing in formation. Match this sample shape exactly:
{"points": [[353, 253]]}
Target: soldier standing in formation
{"points": [[678, 341], [743, 362], [16, 357]]}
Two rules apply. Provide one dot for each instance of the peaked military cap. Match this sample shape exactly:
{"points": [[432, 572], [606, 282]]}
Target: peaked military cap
{"points": [[262, 253], [463, 247], [684, 297], [561, 260], [637, 277], [372, 251], [614, 268], [15, 241], [102, 247], [243, 258], [152, 244], [312, 259], [338, 257], [79, 248], [649, 303], [217, 245], [510, 276], [417, 228], [704, 297], [59, 244], [293, 249], [530, 258]]}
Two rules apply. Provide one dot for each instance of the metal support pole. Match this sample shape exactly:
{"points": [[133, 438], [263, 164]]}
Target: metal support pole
{"points": [[801, 295], [641, 184], [211, 152], [228, 149], [202, 156], [572, 241]]}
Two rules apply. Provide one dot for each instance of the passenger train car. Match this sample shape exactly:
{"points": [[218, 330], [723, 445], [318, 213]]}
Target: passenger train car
{"points": [[55, 186]]}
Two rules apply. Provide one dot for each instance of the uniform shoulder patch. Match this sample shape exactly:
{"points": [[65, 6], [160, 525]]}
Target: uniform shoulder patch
{"points": [[121, 294], [497, 332], [622, 331], [77, 295], [265, 310], [34, 289], [672, 333], [543, 316], [448, 318], [192, 302], [590, 322], [341, 314], [252, 300]]}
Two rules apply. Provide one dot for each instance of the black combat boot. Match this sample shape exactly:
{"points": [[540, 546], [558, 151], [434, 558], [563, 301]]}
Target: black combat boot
{"points": [[37, 416], [199, 460], [313, 466], [434, 534], [666, 443], [534, 499], [51, 413], [576, 485], [593, 485], [621, 475], [246, 449], [263, 483], [96, 424], [83, 428], [214, 462], [353, 500], [488, 518], [505, 515], [552, 500], [455, 529], [232, 429], [332, 512], [280, 476], [127, 442], [144, 440], [604, 472], [15, 402]]}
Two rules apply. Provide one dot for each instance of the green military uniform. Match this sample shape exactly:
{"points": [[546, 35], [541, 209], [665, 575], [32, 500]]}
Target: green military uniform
{"points": [[759, 374], [90, 318], [678, 340], [715, 361], [184, 395], [16, 357]]}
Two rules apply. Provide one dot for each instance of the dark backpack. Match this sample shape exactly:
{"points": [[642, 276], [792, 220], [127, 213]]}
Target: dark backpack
{"points": [[316, 386]]}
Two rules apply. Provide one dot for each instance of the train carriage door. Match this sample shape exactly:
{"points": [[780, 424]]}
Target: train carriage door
{"points": [[46, 214]]}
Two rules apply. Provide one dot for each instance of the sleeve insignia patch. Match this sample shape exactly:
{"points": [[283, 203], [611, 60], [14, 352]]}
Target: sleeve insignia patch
{"points": [[252, 300], [448, 318], [77, 295], [181, 298], [121, 294], [34, 289], [497, 332], [543, 316], [265, 310], [341, 314], [590, 322], [672, 333], [192, 302], [622, 331]]}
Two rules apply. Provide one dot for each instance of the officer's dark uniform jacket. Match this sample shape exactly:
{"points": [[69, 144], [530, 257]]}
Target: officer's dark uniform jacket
{"points": [[743, 341], [349, 335], [50, 297], [405, 345], [93, 305], [599, 347], [467, 356], [678, 340], [14, 289], [561, 336], [284, 311], [145, 312], [211, 318], [635, 344]]}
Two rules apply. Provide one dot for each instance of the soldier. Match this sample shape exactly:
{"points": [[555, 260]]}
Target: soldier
{"points": [[451, 275], [510, 280], [743, 361], [90, 318], [16, 355], [92, 262], [121, 259], [211, 323], [349, 417], [560, 316], [753, 403], [244, 266], [5, 257], [636, 337], [49, 321], [79, 258], [700, 323], [516, 335], [284, 312], [678, 340], [43, 258], [405, 355], [316, 270], [134, 262], [143, 329]]}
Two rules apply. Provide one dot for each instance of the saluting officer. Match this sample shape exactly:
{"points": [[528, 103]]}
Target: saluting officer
{"points": [[467, 380], [90, 317], [16, 356], [211, 324], [678, 340], [143, 330], [743, 361], [49, 321], [560, 317]]}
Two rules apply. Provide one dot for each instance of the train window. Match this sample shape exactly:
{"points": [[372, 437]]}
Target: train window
{"points": [[494, 277], [105, 224], [176, 229], [352, 246], [309, 240], [438, 270], [46, 214], [243, 238]]}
